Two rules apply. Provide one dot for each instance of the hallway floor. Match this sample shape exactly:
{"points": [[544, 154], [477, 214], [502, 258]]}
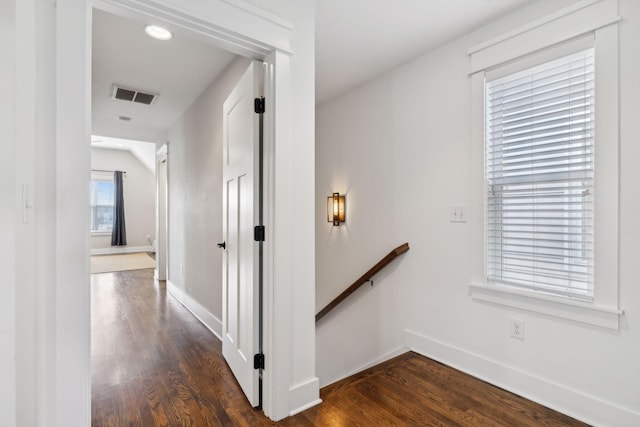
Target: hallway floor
{"points": [[154, 364]]}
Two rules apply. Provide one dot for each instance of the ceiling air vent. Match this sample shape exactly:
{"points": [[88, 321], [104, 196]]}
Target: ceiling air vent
{"points": [[132, 95]]}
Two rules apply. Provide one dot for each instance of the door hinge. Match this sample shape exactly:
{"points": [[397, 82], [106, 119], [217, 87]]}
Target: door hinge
{"points": [[258, 233], [258, 105], [258, 361]]}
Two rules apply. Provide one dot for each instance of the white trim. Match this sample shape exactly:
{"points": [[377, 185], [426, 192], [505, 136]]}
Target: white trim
{"points": [[565, 308], [162, 221], [532, 25], [604, 311], [266, 33], [590, 409], [248, 7], [162, 152], [378, 360], [304, 396], [232, 29], [551, 30], [121, 250], [567, 38], [277, 299], [205, 317]]}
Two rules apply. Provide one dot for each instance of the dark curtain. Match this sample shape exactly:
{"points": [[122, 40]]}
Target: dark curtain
{"points": [[119, 232]]}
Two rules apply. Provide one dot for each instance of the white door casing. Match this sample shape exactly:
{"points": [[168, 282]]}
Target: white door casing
{"points": [[240, 321], [161, 213], [235, 26]]}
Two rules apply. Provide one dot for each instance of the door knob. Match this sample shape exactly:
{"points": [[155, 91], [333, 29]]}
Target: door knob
{"points": [[222, 245]]}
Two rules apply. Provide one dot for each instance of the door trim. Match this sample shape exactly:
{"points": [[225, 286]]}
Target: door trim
{"points": [[240, 31], [162, 247]]}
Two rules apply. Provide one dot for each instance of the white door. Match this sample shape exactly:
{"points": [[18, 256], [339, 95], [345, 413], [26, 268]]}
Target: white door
{"points": [[240, 321]]}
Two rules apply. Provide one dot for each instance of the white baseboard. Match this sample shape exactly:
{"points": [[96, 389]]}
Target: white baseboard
{"points": [[390, 355], [120, 250], [210, 321], [303, 396], [574, 403]]}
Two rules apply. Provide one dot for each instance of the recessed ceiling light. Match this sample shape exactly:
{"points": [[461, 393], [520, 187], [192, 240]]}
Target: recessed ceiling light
{"points": [[125, 118], [158, 33], [120, 145]]}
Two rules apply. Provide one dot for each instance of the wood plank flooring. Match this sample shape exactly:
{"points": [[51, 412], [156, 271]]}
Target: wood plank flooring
{"points": [[154, 364]]}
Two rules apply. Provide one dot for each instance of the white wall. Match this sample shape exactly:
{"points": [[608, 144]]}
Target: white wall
{"points": [[139, 187], [402, 162], [7, 215], [195, 194]]}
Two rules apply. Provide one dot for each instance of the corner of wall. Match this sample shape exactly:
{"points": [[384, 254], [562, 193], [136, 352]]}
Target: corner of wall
{"points": [[572, 402], [210, 321]]}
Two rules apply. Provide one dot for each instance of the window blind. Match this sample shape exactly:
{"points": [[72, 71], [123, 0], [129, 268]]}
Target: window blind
{"points": [[539, 173]]}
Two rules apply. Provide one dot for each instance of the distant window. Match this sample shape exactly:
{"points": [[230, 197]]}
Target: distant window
{"points": [[101, 204]]}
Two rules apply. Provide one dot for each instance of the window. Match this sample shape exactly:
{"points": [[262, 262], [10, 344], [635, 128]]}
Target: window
{"points": [[545, 167], [539, 177], [101, 204]]}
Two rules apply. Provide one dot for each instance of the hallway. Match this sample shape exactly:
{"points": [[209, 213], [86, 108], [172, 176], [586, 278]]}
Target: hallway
{"points": [[154, 364]]}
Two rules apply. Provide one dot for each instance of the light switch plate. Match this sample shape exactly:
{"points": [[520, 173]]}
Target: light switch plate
{"points": [[459, 213]]}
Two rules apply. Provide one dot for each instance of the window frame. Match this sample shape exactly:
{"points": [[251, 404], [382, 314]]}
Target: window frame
{"points": [[105, 177], [535, 43]]}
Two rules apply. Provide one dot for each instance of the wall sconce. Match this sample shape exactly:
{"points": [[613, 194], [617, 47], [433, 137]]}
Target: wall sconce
{"points": [[335, 209]]}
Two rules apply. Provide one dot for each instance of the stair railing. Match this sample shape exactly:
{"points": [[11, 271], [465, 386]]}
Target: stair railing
{"points": [[366, 277]]}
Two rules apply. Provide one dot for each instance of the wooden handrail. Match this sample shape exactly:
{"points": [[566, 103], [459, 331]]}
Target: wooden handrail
{"points": [[363, 279]]}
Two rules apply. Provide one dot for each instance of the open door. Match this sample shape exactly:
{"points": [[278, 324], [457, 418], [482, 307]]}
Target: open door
{"points": [[241, 212]]}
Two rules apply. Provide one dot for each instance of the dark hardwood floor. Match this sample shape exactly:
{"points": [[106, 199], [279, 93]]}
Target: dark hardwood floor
{"points": [[154, 364]]}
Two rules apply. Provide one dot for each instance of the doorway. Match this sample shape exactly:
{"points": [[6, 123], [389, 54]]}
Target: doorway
{"points": [[243, 29], [186, 93]]}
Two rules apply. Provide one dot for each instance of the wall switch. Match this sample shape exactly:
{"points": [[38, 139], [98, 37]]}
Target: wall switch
{"points": [[459, 213], [181, 270], [517, 328]]}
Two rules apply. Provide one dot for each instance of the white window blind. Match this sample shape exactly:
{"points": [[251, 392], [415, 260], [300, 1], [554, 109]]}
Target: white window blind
{"points": [[539, 172]]}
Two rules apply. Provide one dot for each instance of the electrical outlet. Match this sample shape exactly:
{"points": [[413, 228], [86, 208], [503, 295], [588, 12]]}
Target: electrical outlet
{"points": [[517, 329]]}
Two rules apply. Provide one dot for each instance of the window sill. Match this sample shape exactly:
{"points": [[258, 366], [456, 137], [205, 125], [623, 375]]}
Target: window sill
{"points": [[579, 311], [101, 233]]}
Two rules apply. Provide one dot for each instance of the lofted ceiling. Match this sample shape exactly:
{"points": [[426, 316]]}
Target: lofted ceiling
{"points": [[177, 70], [357, 40]]}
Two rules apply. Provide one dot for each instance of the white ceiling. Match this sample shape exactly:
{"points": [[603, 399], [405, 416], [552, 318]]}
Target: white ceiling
{"points": [[178, 70], [357, 40]]}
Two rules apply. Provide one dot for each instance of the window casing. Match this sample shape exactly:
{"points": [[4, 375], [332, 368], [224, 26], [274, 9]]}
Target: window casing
{"points": [[563, 33], [539, 134]]}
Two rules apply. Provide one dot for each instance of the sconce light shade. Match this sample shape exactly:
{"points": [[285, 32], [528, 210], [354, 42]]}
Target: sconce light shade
{"points": [[335, 209]]}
